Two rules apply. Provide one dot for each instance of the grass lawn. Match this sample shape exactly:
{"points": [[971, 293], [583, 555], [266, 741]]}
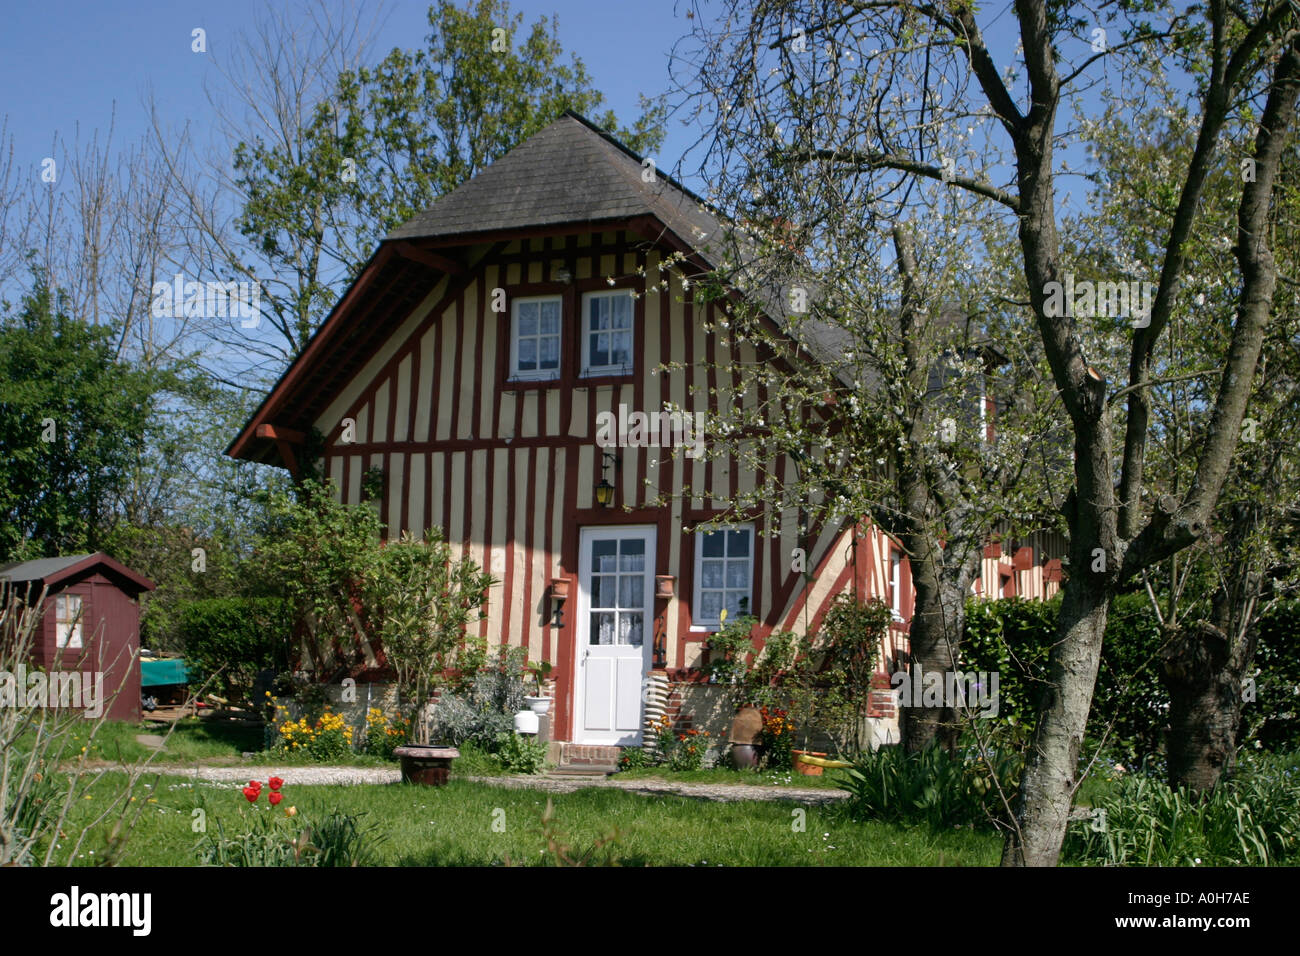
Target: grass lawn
{"points": [[212, 742], [725, 775], [454, 826]]}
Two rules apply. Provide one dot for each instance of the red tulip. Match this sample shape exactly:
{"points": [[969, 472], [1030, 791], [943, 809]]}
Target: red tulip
{"points": [[275, 798], [275, 783], [251, 793], [255, 785]]}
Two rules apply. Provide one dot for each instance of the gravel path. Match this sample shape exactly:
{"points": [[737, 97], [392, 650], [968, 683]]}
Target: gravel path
{"points": [[723, 793], [291, 775]]}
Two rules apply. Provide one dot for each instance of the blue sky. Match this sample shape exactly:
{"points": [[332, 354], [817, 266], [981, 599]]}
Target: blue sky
{"points": [[68, 62]]}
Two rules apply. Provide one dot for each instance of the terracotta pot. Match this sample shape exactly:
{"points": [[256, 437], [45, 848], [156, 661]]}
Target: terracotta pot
{"points": [[807, 769], [426, 766], [560, 588]]}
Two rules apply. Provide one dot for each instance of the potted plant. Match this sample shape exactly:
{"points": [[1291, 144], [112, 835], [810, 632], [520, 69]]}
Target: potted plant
{"points": [[423, 601], [540, 703]]}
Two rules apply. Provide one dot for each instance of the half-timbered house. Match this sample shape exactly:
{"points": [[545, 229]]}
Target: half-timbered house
{"points": [[473, 378]]}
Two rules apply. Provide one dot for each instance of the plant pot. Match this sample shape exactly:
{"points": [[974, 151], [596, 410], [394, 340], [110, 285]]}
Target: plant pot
{"points": [[526, 722], [807, 769], [744, 756], [425, 765], [539, 705]]}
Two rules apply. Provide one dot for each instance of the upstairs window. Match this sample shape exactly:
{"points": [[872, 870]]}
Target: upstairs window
{"points": [[607, 333], [724, 574], [535, 339]]}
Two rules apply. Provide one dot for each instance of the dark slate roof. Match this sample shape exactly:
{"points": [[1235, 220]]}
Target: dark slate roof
{"points": [[569, 172], [40, 568], [50, 571]]}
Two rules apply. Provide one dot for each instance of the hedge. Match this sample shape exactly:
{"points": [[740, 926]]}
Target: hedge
{"points": [[231, 639]]}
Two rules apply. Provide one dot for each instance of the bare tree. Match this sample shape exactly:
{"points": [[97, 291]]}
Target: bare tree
{"points": [[928, 78]]}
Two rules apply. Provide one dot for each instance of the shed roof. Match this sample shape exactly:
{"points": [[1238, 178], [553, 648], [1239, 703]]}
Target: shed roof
{"points": [[51, 571]]}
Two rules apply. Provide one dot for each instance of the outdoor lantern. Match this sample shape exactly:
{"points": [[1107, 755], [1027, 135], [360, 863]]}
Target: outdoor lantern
{"points": [[604, 490]]}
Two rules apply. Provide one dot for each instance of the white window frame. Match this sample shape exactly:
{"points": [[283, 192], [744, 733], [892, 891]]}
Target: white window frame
{"points": [[896, 584], [698, 622], [535, 375], [585, 332], [67, 623]]}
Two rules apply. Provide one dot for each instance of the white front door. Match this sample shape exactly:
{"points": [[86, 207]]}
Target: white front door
{"points": [[615, 595]]}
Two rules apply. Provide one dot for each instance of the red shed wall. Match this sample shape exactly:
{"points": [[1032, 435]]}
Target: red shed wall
{"points": [[110, 635]]}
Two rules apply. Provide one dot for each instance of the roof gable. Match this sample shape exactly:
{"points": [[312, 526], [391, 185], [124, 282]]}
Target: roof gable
{"points": [[52, 571], [570, 172]]}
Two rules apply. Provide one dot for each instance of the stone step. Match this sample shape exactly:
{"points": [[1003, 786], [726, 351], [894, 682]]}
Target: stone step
{"points": [[582, 770], [579, 754]]}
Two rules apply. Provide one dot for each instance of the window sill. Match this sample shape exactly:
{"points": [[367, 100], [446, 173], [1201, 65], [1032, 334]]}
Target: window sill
{"points": [[604, 378], [514, 383]]}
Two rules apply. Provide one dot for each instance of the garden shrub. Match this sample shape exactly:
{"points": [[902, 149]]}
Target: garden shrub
{"points": [[633, 758], [326, 738], [777, 739], [385, 734], [1013, 637], [932, 786], [1250, 819], [230, 639], [486, 709], [688, 750], [1273, 717], [518, 753]]}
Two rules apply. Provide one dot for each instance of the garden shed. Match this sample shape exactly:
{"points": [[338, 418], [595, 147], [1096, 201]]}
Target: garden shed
{"points": [[90, 624]]}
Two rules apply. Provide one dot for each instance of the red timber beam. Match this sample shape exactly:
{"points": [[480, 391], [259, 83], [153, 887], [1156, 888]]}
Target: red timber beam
{"points": [[314, 352], [285, 439], [427, 257]]}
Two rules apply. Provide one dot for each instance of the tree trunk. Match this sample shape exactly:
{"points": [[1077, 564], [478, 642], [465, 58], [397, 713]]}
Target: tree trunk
{"points": [[938, 622], [1204, 683], [1204, 668], [934, 642]]}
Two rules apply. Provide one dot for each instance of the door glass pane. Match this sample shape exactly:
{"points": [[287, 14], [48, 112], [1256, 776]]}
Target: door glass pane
{"points": [[604, 556], [632, 628], [602, 627], [633, 556], [631, 591], [604, 590]]}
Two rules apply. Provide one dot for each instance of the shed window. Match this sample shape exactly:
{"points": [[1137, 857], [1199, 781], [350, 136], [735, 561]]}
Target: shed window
{"points": [[535, 340], [67, 620]]}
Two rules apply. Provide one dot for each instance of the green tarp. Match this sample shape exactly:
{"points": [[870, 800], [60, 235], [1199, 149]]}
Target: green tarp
{"points": [[156, 672]]}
